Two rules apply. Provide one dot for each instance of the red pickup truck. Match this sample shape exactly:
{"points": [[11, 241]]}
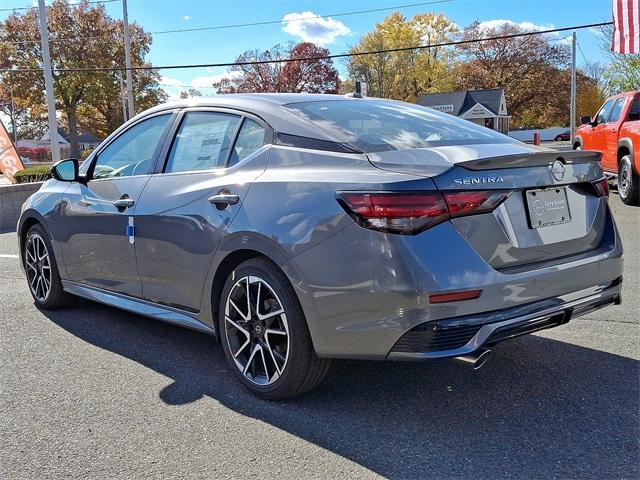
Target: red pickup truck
{"points": [[615, 131]]}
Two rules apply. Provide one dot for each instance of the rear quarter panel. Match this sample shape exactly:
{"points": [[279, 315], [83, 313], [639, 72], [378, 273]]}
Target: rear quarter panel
{"points": [[294, 202], [292, 208]]}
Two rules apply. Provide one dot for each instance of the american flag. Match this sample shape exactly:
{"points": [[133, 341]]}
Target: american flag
{"points": [[626, 26]]}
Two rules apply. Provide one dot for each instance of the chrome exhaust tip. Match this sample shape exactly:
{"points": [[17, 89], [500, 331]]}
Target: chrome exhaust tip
{"points": [[476, 359]]}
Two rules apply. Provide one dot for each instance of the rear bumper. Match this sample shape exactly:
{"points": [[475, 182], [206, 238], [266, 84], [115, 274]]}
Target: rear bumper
{"points": [[462, 336], [362, 291]]}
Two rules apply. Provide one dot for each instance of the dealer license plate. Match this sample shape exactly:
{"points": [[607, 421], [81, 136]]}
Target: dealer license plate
{"points": [[548, 207]]}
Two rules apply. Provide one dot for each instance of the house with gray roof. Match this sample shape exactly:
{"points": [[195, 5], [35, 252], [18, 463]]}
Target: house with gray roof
{"points": [[85, 140], [484, 107]]}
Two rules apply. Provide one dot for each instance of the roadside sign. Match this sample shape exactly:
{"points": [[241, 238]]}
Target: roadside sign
{"points": [[10, 161]]}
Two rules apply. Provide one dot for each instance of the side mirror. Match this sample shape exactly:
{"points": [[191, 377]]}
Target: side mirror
{"points": [[585, 120], [65, 170]]}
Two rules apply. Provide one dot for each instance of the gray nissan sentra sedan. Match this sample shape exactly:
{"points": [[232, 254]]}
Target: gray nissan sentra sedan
{"points": [[300, 228]]}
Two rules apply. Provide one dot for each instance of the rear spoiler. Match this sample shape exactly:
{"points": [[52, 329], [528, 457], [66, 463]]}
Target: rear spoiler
{"points": [[533, 159]]}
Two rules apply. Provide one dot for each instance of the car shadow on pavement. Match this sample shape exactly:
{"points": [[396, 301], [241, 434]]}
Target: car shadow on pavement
{"points": [[541, 408]]}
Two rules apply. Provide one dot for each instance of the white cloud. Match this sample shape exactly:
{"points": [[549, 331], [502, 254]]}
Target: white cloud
{"points": [[186, 18], [308, 27], [528, 26], [170, 82], [565, 40], [204, 81], [172, 87]]}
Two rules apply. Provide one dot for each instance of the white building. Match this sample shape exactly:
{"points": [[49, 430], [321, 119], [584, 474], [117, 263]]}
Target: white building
{"points": [[483, 107]]}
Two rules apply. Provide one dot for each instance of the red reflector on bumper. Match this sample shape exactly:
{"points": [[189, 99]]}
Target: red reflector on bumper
{"points": [[454, 296]]}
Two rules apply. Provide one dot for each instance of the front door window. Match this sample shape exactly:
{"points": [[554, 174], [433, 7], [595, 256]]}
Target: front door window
{"points": [[132, 152]]}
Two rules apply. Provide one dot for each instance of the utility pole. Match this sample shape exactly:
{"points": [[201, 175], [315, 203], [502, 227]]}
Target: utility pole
{"points": [[13, 115], [123, 101], [127, 59], [48, 82], [573, 87]]}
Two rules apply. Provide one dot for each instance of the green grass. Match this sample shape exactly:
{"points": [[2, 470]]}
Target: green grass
{"points": [[36, 173]]}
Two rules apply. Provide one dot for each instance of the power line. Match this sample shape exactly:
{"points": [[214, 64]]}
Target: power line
{"points": [[52, 40], [561, 39], [240, 25], [582, 53], [306, 59], [182, 85], [35, 6], [310, 17]]}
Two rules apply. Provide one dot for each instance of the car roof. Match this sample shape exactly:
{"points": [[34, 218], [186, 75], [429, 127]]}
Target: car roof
{"points": [[258, 99], [622, 95], [267, 106]]}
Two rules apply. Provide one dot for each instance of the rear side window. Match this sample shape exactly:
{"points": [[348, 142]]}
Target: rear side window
{"points": [[617, 110], [379, 125], [202, 142], [250, 139], [604, 112]]}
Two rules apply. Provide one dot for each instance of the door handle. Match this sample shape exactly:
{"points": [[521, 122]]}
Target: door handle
{"points": [[124, 203], [224, 199]]}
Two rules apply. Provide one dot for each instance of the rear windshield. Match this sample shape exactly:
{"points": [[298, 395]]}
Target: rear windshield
{"points": [[379, 125]]}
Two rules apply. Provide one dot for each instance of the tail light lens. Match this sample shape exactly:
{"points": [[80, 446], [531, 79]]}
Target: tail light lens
{"points": [[396, 212], [601, 187], [413, 212], [473, 202]]}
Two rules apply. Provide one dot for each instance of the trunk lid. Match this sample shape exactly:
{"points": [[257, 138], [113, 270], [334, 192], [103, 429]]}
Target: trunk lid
{"points": [[557, 183]]}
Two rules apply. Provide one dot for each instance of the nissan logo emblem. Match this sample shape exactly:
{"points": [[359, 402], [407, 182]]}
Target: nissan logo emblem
{"points": [[557, 170]]}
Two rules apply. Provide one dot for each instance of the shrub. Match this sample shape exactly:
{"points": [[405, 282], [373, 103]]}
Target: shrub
{"points": [[36, 173]]}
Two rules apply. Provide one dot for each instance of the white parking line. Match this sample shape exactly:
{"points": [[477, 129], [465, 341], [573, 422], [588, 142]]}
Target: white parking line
{"points": [[6, 255]]}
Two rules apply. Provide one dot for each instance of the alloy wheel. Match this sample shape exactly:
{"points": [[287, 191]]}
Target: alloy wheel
{"points": [[38, 267], [256, 330], [624, 180]]}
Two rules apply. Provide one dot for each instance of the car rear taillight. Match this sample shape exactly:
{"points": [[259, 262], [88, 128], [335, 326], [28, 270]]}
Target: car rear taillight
{"points": [[473, 202], [601, 187], [413, 212], [396, 212]]}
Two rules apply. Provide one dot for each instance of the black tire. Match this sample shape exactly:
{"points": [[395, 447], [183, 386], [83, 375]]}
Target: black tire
{"points": [[55, 297], [628, 182], [302, 369]]}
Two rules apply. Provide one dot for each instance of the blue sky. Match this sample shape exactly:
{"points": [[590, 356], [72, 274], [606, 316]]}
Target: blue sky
{"points": [[338, 34]]}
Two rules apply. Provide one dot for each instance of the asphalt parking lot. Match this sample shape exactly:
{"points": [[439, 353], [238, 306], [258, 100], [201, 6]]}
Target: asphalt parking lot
{"points": [[93, 392]]}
